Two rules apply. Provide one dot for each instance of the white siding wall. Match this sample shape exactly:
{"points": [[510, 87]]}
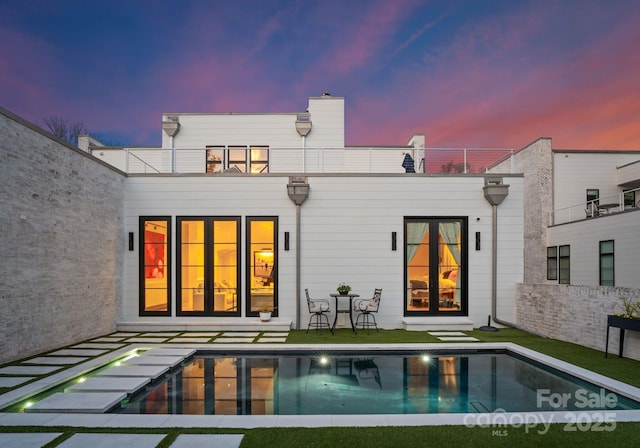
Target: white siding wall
{"points": [[346, 232], [574, 173], [584, 238], [200, 130], [327, 121]]}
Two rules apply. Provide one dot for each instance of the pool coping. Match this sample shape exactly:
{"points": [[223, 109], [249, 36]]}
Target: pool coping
{"points": [[494, 419]]}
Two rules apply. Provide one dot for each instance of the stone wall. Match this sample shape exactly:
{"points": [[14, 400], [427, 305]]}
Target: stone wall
{"points": [[535, 161], [576, 314], [61, 243]]}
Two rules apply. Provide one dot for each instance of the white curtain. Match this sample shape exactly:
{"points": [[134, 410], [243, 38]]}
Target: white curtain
{"points": [[415, 235], [450, 232]]}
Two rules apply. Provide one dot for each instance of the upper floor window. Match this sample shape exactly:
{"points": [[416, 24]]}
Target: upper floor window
{"points": [[564, 264], [552, 263], [607, 264], [245, 159], [593, 194]]}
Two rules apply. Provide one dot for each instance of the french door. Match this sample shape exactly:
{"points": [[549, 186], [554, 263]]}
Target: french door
{"points": [[435, 266], [208, 259]]}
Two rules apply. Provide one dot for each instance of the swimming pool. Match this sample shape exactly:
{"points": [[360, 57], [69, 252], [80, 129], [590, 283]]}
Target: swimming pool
{"points": [[366, 383]]}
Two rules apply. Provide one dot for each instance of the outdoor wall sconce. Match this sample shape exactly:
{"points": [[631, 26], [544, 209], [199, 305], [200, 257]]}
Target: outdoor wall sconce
{"points": [[298, 189], [130, 240], [394, 243], [286, 240], [477, 240]]}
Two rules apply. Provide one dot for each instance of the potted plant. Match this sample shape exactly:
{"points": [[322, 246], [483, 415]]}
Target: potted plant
{"points": [[265, 312], [343, 289]]}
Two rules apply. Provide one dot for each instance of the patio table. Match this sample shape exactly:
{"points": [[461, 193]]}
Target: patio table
{"points": [[349, 296]]}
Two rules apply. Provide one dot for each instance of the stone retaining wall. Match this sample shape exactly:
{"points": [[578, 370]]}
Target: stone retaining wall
{"points": [[61, 243]]}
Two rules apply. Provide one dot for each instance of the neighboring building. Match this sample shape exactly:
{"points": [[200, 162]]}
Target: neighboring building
{"points": [[582, 241]]}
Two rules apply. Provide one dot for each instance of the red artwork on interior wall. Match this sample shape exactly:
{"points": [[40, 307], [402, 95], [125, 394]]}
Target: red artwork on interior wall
{"points": [[153, 254]]}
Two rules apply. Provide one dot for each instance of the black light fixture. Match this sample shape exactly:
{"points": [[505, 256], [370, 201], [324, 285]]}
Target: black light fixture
{"points": [[130, 240], [286, 240], [394, 243], [477, 240]]}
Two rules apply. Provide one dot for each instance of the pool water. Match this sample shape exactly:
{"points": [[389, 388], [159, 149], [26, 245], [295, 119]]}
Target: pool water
{"points": [[374, 383]]}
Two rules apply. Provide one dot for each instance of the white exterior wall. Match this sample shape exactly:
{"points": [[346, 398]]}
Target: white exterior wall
{"points": [[327, 122], [584, 237], [346, 226], [575, 172]]}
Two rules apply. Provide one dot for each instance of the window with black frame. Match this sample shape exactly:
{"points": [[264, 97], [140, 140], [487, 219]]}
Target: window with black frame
{"points": [[155, 265]]}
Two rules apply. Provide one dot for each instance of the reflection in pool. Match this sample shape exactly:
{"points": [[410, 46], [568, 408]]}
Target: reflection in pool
{"points": [[375, 383]]}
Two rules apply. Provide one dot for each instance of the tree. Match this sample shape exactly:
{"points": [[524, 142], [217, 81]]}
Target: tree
{"points": [[65, 129]]}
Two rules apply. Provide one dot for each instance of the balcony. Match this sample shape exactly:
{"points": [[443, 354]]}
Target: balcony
{"points": [[604, 206]]}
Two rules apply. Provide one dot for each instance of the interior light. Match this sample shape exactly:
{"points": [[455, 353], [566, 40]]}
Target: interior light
{"points": [[324, 361], [425, 358]]}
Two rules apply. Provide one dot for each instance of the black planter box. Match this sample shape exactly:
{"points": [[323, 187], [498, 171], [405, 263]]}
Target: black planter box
{"points": [[623, 323]]}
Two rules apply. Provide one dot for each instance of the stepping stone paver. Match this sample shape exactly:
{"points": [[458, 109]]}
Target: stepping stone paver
{"points": [[11, 381], [196, 335], [55, 360], [269, 335], [161, 334], [267, 340], [152, 372], [124, 334], [192, 340], [82, 402], [207, 441], [227, 340], [108, 339], [28, 370], [112, 440], [27, 439], [235, 334], [169, 351], [108, 346], [109, 384], [78, 352], [154, 361], [157, 340]]}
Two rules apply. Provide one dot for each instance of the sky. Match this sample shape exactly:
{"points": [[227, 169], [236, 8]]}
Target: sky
{"points": [[465, 73]]}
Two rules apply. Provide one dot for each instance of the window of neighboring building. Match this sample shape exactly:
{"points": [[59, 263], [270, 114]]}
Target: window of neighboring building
{"points": [[564, 260], [254, 159], [593, 194], [435, 266], [552, 263], [208, 258], [262, 263], [607, 264], [155, 265], [629, 199]]}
